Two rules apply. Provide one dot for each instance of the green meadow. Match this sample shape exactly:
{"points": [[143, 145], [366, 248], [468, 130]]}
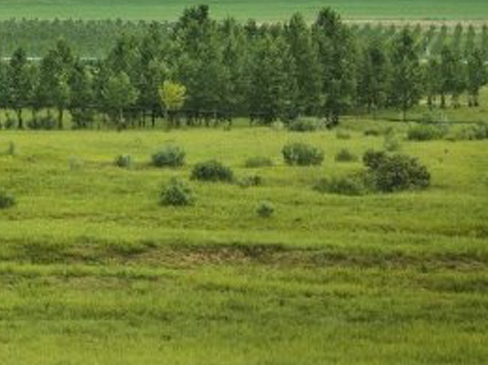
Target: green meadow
{"points": [[267, 10], [94, 271]]}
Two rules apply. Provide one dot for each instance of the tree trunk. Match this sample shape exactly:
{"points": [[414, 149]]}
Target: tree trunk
{"points": [[60, 118], [20, 119]]}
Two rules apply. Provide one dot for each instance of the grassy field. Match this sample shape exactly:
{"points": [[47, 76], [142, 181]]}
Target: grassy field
{"points": [[94, 271], [268, 10]]}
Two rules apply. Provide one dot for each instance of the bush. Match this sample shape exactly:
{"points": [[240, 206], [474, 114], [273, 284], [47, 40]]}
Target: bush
{"points": [[212, 171], [344, 155], [427, 132], [46, 123], [343, 135], [303, 125], [372, 133], [169, 156], [395, 173], [12, 149], [254, 162], [474, 132], [301, 154], [250, 181], [177, 193], [373, 159], [123, 161], [391, 143], [6, 200], [265, 209], [352, 185]]}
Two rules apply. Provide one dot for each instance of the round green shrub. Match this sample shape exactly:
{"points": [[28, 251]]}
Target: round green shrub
{"points": [[427, 132], [177, 193], [302, 154], [265, 209], [169, 156], [258, 161], [7, 200], [249, 181], [123, 161], [212, 170], [303, 125], [352, 185], [344, 155]]}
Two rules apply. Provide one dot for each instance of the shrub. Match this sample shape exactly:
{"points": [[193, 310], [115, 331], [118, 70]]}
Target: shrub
{"points": [[427, 132], [212, 171], [343, 135], [477, 131], [344, 155], [123, 161], [303, 125], [302, 154], [254, 162], [75, 163], [177, 193], [265, 209], [373, 159], [352, 185], [7, 200], [12, 149], [169, 156], [372, 133], [250, 181], [391, 143], [395, 173], [46, 122]]}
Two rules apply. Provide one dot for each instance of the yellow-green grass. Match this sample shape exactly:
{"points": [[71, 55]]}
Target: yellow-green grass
{"points": [[94, 270], [268, 10]]}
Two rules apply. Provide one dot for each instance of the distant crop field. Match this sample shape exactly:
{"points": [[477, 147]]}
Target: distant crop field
{"points": [[267, 10]]}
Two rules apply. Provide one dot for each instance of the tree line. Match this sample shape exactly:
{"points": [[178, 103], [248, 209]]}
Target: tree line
{"points": [[205, 71]]}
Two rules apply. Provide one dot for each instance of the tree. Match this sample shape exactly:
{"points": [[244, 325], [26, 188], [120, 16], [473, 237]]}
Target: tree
{"points": [[432, 80], [337, 58], [20, 83], [268, 80], [405, 91], [81, 96], [304, 56], [373, 77], [476, 76], [119, 94], [452, 76], [172, 96]]}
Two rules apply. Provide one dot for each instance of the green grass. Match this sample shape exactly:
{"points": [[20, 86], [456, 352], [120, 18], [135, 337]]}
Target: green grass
{"points": [[268, 10], [94, 270]]}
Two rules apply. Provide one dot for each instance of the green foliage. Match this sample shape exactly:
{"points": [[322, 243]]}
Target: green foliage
{"points": [[46, 123], [427, 132], [11, 149], [342, 134], [7, 200], [123, 161], [304, 125], [213, 171], [391, 142], [169, 156], [265, 209], [250, 181], [302, 154], [352, 185], [177, 193], [395, 173], [344, 155], [258, 161], [475, 132]]}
